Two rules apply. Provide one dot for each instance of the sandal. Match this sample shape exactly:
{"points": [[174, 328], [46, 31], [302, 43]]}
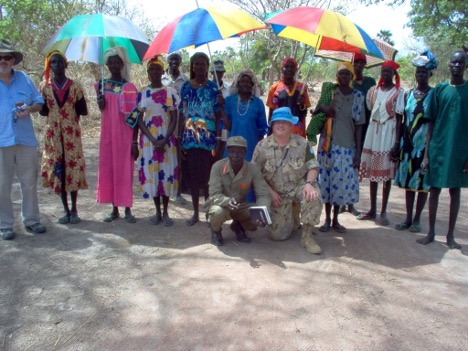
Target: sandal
{"points": [[130, 218], [402, 226], [337, 227], [156, 219], [325, 228], [74, 218], [65, 219], [415, 228], [168, 222], [365, 217], [111, 217], [192, 221], [384, 221]]}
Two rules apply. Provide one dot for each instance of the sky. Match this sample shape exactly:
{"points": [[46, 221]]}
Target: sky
{"points": [[377, 18]]}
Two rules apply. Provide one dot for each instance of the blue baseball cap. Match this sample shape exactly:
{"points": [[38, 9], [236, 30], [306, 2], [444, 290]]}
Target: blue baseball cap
{"points": [[283, 114]]}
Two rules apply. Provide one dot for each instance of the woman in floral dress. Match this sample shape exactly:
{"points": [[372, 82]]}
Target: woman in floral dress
{"points": [[158, 171], [413, 140], [339, 149], [63, 163]]}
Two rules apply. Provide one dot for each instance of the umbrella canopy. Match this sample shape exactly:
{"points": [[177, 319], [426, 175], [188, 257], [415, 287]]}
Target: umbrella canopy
{"points": [[388, 51], [87, 37], [200, 27], [323, 30]]}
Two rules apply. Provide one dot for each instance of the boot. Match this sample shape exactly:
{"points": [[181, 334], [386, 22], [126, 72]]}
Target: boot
{"points": [[307, 242], [216, 238], [237, 228]]}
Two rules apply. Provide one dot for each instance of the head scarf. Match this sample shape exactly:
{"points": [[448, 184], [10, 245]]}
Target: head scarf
{"points": [[47, 64], [249, 73], [289, 59], [156, 60], [348, 66], [426, 59], [122, 53], [358, 56], [394, 66], [196, 56]]}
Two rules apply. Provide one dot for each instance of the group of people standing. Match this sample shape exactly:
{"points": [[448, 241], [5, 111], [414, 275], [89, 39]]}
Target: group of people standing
{"points": [[175, 129]]}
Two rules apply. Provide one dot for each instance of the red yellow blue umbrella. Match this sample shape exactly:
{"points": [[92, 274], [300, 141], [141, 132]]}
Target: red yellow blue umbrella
{"points": [[200, 27], [323, 30]]}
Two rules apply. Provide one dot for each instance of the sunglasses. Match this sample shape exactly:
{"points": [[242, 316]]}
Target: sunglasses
{"points": [[6, 58]]}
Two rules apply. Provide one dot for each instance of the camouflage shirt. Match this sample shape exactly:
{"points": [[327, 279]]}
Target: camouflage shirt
{"points": [[285, 168]]}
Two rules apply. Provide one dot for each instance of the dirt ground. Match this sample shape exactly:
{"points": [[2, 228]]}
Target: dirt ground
{"points": [[120, 286]]}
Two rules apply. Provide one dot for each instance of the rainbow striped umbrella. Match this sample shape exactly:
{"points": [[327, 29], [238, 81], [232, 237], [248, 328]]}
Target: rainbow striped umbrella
{"points": [[323, 30], [200, 27], [87, 37]]}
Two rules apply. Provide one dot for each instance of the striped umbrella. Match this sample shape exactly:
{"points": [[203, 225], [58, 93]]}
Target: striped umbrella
{"points": [[87, 37], [323, 30], [202, 26]]}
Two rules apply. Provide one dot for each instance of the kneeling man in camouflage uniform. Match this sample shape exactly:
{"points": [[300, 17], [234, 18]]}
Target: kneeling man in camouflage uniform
{"points": [[290, 169], [230, 181]]}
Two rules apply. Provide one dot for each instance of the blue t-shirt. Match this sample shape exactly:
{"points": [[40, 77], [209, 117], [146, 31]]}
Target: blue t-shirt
{"points": [[198, 106], [18, 131]]}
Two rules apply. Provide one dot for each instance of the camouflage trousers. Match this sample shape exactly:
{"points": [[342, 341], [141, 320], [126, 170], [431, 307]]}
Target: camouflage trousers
{"points": [[217, 215], [282, 217]]}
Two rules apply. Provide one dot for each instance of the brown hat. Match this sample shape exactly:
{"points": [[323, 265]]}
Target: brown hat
{"points": [[236, 141], [6, 47]]}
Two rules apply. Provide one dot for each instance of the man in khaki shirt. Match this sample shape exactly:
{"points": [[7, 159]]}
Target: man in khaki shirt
{"points": [[290, 168], [230, 181]]}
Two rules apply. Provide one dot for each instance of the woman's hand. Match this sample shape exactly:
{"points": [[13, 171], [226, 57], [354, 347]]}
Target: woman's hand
{"points": [[424, 166], [356, 161], [101, 101], [134, 151], [327, 109], [395, 153], [220, 99], [159, 145], [182, 152]]}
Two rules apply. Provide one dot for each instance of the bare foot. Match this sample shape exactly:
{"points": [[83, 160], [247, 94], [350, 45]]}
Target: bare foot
{"points": [[426, 240], [452, 244]]}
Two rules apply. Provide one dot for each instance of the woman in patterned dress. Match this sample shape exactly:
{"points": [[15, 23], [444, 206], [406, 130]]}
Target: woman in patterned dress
{"points": [[158, 171], [199, 128], [63, 163], [380, 151], [339, 149], [409, 175], [118, 147]]}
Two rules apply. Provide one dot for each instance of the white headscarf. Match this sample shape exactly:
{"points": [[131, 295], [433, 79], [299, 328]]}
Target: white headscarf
{"points": [[122, 53]]}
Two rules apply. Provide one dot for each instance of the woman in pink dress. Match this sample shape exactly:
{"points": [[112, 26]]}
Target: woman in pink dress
{"points": [[118, 149]]}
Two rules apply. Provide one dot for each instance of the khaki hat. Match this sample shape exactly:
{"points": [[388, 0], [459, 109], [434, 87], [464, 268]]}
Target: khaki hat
{"points": [[7, 48], [236, 141]]}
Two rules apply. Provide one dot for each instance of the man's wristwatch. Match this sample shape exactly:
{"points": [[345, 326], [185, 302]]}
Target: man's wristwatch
{"points": [[312, 182]]}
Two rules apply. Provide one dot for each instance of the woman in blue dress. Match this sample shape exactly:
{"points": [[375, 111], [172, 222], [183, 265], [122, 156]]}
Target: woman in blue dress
{"points": [[244, 112], [413, 133], [199, 121]]}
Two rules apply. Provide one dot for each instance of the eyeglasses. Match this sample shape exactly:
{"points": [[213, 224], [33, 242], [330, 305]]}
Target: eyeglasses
{"points": [[6, 58]]}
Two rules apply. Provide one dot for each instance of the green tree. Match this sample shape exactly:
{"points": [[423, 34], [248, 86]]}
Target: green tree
{"points": [[386, 36]]}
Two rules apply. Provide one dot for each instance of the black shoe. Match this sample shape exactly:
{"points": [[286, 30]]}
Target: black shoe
{"points": [[236, 227], [217, 238]]}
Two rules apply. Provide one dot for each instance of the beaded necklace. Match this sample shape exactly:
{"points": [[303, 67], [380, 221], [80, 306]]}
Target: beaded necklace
{"points": [[242, 107]]}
